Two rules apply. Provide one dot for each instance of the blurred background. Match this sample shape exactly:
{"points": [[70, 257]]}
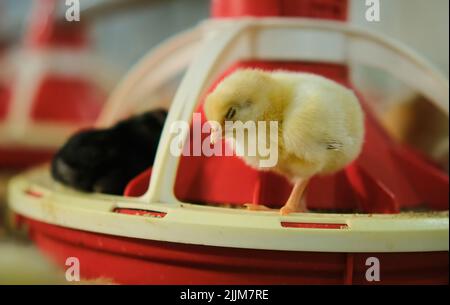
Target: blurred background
{"points": [[86, 64], [124, 30]]}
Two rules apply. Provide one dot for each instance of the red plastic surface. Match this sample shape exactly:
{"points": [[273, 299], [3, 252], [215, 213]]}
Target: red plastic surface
{"points": [[5, 95], [139, 212], [33, 193], [426, 178], [137, 261], [67, 99], [138, 186], [325, 9], [45, 31], [309, 225], [20, 157]]}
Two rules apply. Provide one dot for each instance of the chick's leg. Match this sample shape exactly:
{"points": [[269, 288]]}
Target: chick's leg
{"points": [[295, 203]]}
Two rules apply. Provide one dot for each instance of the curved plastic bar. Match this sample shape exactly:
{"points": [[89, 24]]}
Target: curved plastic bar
{"points": [[194, 82]]}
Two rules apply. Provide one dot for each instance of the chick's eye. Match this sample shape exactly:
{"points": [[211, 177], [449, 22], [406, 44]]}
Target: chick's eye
{"points": [[230, 113]]}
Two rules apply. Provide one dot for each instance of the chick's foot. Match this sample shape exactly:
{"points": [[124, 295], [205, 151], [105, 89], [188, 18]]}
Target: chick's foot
{"points": [[296, 202], [288, 209]]}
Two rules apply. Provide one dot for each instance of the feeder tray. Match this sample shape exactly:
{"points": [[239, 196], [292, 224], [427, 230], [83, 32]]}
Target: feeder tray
{"points": [[157, 233]]}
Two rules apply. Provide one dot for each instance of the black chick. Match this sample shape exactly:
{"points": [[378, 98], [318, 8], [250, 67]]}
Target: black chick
{"points": [[105, 160]]}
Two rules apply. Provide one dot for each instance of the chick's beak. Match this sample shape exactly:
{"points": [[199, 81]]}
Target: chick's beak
{"points": [[214, 135]]}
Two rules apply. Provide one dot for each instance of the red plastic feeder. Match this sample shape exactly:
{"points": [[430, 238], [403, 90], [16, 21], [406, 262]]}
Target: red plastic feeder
{"points": [[159, 234]]}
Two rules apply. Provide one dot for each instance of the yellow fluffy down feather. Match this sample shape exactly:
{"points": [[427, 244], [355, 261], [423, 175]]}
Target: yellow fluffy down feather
{"points": [[320, 122]]}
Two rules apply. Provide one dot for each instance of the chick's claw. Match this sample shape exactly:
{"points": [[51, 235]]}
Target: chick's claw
{"points": [[287, 209], [256, 207]]}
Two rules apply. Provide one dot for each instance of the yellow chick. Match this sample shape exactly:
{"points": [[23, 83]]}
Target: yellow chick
{"points": [[320, 123]]}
